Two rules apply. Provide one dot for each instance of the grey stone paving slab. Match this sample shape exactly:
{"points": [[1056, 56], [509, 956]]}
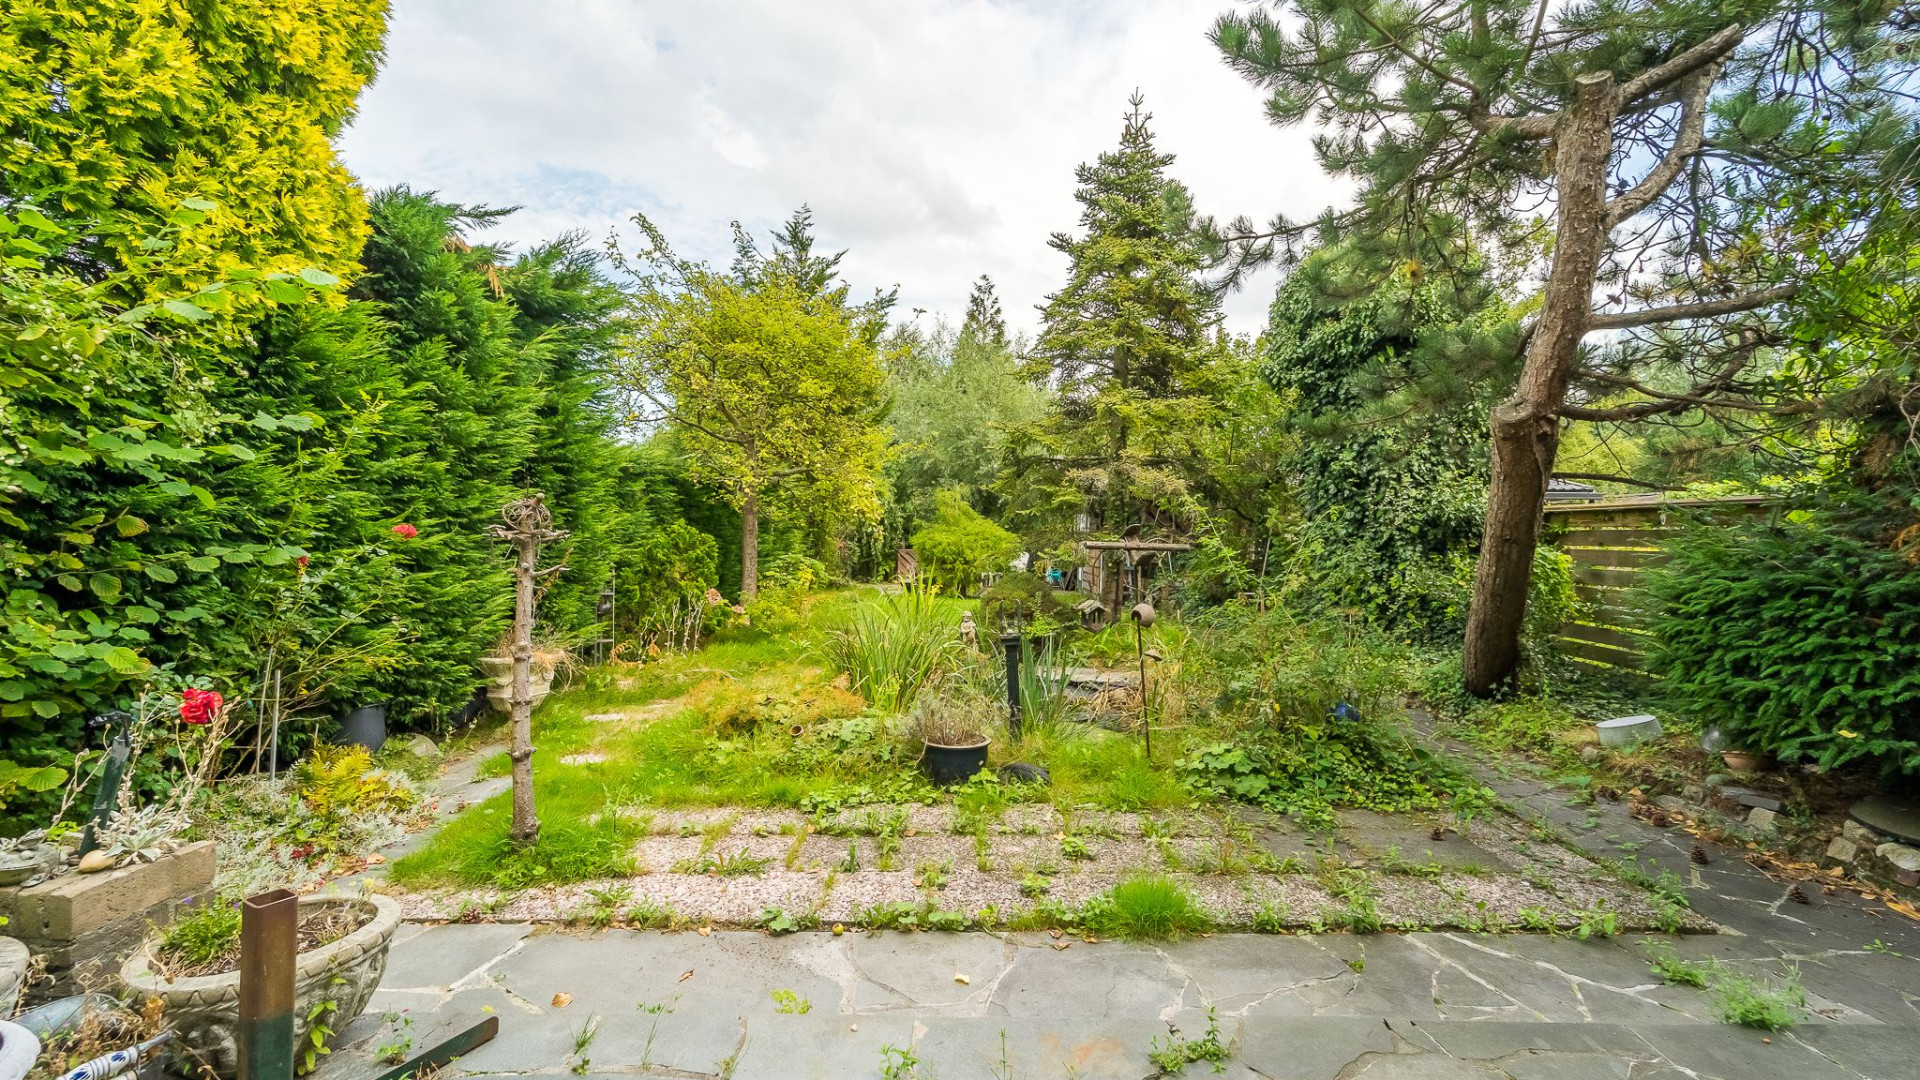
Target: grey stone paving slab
{"points": [[1089, 981], [442, 955], [1877, 1053], [1312, 1049], [1243, 975], [926, 968], [1484, 1041], [1395, 978], [820, 1047], [1419, 1067], [959, 1048], [1715, 1052]]}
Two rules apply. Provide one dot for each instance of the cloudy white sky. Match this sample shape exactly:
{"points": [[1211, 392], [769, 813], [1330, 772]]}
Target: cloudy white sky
{"points": [[934, 139]]}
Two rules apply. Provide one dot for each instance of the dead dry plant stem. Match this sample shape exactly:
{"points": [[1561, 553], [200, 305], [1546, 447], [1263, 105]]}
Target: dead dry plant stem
{"points": [[528, 524]]}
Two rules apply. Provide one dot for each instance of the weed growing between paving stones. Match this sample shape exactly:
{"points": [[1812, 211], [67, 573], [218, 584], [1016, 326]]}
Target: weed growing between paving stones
{"points": [[1738, 998], [898, 1064], [1144, 907], [788, 1003], [1173, 1057]]}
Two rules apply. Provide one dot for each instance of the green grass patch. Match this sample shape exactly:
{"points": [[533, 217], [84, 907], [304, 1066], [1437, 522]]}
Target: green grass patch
{"points": [[1144, 907]]}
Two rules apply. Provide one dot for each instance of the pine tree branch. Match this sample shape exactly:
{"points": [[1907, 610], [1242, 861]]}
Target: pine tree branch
{"points": [[1710, 51], [1705, 309], [1693, 127], [1424, 64]]}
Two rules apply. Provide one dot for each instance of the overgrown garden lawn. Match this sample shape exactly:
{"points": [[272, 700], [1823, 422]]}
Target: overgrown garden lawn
{"points": [[747, 784]]}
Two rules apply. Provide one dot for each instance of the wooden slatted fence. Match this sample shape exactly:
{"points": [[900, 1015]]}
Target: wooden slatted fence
{"points": [[1612, 543]]}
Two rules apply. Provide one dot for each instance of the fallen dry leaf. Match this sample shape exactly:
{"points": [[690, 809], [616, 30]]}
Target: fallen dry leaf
{"points": [[705, 931], [963, 980], [376, 859], [1904, 908], [685, 975], [562, 1000]]}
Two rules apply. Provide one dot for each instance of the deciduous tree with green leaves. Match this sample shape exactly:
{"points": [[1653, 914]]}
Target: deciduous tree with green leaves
{"points": [[770, 379], [1661, 138]]}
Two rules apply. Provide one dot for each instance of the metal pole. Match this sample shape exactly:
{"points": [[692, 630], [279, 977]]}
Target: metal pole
{"points": [[1146, 721], [268, 925], [275, 774], [1015, 713]]}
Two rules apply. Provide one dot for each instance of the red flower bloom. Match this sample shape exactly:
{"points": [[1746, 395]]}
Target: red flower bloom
{"points": [[302, 560], [200, 706], [405, 531]]}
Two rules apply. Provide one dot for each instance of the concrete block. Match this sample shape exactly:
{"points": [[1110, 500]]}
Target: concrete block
{"points": [[1763, 819], [1861, 835], [74, 905], [1842, 850], [1908, 878]]}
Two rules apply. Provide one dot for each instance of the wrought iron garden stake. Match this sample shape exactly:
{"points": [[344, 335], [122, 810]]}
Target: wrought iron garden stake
{"points": [[528, 524]]}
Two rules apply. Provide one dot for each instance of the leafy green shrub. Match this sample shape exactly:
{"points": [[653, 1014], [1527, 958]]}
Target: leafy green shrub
{"points": [[894, 646], [1145, 907], [960, 544], [1795, 638], [1308, 695], [1025, 599]]}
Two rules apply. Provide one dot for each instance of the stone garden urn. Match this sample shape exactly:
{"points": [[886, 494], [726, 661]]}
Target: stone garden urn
{"points": [[205, 1009], [499, 672]]}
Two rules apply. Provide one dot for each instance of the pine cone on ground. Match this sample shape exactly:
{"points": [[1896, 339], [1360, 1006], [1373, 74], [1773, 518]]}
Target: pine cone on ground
{"points": [[1699, 854], [1439, 832], [1798, 895]]}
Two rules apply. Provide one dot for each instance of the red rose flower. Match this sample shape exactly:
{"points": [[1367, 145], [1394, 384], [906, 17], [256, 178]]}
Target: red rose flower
{"points": [[200, 706], [405, 531], [302, 560]]}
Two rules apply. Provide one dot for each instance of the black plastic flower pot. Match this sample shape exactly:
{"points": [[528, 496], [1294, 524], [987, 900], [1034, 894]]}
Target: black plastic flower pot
{"points": [[365, 726], [954, 764]]}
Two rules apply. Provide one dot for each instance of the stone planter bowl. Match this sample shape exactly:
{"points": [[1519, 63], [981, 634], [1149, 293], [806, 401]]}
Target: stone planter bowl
{"points": [[499, 672], [205, 1009]]}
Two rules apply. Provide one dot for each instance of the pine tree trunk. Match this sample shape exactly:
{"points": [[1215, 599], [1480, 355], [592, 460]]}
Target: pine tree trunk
{"points": [[750, 547], [1526, 427], [526, 824]]}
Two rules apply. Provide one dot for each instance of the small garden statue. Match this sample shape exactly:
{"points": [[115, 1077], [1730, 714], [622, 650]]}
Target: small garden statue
{"points": [[968, 635]]}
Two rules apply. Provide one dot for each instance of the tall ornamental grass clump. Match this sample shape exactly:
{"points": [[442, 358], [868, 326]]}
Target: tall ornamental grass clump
{"points": [[893, 647], [1796, 638]]}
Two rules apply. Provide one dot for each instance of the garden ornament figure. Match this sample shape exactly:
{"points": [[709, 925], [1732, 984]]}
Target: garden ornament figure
{"points": [[107, 795], [968, 635]]}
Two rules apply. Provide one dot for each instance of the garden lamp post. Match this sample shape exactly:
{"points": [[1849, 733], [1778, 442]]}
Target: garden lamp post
{"points": [[1010, 641], [1143, 616]]}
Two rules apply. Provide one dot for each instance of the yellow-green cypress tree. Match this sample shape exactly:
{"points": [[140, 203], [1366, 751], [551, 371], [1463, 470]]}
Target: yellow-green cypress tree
{"points": [[122, 118]]}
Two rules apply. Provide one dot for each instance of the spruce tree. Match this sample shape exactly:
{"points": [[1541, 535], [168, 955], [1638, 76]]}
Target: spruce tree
{"points": [[1676, 144], [985, 323], [1122, 343]]}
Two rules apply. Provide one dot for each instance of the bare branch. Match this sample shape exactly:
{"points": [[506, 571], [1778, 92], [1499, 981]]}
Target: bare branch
{"points": [[1704, 309], [1710, 51], [1609, 478], [1686, 143]]}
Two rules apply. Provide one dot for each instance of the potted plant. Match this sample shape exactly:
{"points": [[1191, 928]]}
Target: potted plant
{"points": [[1745, 760], [548, 657], [952, 732], [192, 968]]}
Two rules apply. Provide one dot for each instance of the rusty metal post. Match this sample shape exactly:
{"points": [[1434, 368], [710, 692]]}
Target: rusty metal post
{"points": [[269, 923]]}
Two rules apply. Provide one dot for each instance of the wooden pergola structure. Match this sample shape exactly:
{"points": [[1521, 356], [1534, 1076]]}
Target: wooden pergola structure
{"points": [[1116, 591]]}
